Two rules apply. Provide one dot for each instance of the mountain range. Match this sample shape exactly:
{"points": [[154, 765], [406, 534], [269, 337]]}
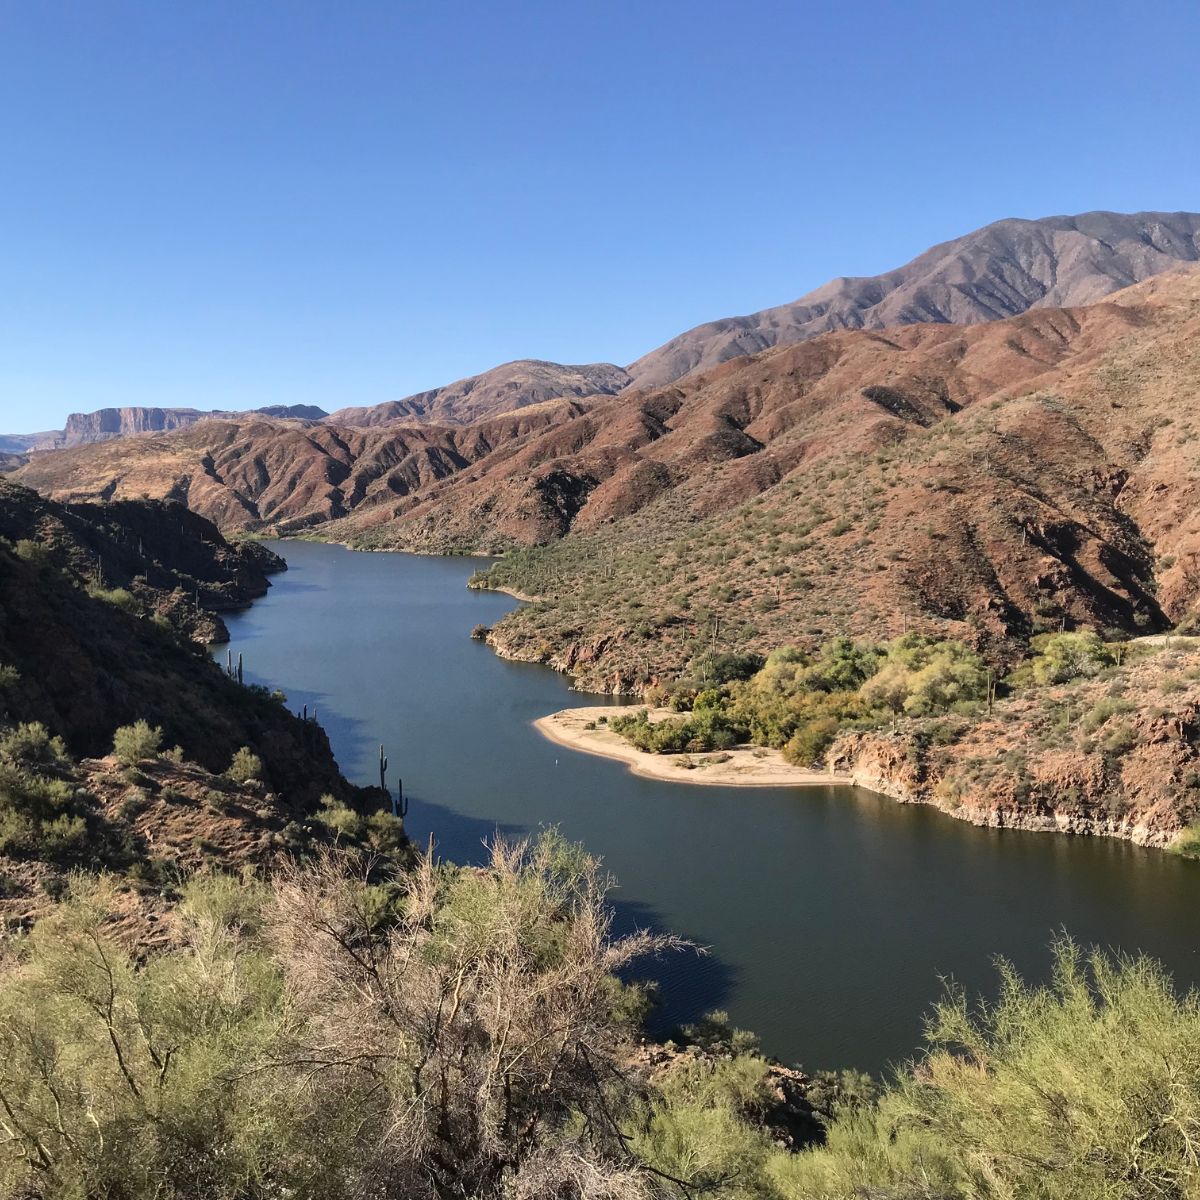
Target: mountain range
{"points": [[82, 429], [989, 476], [998, 271]]}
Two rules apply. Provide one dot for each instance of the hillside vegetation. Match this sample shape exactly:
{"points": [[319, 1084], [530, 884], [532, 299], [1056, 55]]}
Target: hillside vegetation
{"points": [[441, 1032], [988, 485]]}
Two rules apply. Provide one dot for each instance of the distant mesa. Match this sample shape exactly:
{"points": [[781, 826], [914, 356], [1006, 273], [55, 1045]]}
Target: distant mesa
{"points": [[104, 424]]}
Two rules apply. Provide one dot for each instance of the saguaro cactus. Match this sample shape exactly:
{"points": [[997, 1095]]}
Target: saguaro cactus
{"points": [[399, 801]]}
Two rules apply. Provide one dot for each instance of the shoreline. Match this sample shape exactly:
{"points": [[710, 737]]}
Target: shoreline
{"points": [[743, 766], [506, 592]]}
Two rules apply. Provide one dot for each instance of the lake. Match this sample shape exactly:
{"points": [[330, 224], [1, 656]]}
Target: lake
{"points": [[830, 913]]}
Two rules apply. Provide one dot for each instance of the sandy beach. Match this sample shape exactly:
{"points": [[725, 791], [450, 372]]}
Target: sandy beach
{"points": [[745, 766]]}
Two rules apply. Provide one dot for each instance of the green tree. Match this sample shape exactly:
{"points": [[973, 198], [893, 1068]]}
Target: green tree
{"points": [[1062, 657], [133, 743]]}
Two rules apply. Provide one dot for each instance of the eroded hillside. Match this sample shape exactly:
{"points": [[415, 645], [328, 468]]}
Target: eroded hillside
{"points": [[993, 480]]}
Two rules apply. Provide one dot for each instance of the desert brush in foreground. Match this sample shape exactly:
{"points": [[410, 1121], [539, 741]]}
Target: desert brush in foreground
{"points": [[461, 1032]]}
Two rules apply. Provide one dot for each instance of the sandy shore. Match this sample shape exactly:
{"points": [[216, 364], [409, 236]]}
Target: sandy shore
{"points": [[505, 591], [745, 766]]}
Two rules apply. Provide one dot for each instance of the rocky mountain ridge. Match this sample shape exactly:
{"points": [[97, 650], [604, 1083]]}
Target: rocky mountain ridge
{"points": [[998, 271], [104, 424]]}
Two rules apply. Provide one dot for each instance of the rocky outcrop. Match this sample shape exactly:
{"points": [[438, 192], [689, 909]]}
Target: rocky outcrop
{"points": [[105, 424], [1118, 757], [170, 560]]}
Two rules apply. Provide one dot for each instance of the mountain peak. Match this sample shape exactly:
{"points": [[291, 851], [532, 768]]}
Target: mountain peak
{"points": [[997, 271]]}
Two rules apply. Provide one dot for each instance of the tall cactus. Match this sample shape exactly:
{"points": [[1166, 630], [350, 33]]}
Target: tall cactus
{"points": [[399, 801]]}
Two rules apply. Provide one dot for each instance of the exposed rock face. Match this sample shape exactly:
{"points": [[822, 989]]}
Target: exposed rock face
{"points": [[503, 389], [995, 272], [82, 429], [1117, 757]]}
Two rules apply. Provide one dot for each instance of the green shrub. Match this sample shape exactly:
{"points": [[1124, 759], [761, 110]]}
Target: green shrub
{"points": [[1087, 1089], [1187, 843], [118, 597], [342, 821], [32, 552], [133, 743], [808, 744], [1062, 657], [32, 744], [246, 765]]}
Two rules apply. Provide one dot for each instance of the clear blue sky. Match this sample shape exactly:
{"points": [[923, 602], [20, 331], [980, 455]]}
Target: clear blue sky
{"points": [[244, 203]]}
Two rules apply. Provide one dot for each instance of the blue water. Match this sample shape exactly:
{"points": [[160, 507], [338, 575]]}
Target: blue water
{"points": [[829, 913]]}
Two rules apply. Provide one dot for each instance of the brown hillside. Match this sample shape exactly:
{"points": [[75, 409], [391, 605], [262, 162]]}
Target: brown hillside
{"points": [[503, 389], [273, 475], [995, 478], [992, 481], [998, 271]]}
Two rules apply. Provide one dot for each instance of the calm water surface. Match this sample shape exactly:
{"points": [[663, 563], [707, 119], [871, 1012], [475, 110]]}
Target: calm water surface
{"points": [[831, 913]]}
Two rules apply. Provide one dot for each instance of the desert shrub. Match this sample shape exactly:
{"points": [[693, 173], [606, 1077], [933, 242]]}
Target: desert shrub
{"points": [[119, 597], [32, 552], [385, 833], [1120, 739], [246, 765], [808, 744], [1102, 711], [9, 677], [715, 669], [708, 729], [1187, 843], [340, 820], [48, 819], [1062, 657], [31, 744], [438, 1033], [134, 743], [1085, 1089]]}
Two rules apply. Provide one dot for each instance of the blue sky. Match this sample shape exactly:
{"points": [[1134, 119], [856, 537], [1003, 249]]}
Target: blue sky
{"points": [[234, 204]]}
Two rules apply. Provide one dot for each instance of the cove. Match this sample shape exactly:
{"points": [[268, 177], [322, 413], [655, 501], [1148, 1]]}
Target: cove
{"points": [[830, 913]]}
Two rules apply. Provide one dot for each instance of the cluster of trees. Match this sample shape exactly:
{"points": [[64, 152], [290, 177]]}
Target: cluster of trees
{"points": [[450, 1032], [796, 701]]}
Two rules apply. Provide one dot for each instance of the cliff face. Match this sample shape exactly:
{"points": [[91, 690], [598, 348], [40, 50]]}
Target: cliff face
{"points": [[84, 428], [1113, 757], [105, 424]]}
